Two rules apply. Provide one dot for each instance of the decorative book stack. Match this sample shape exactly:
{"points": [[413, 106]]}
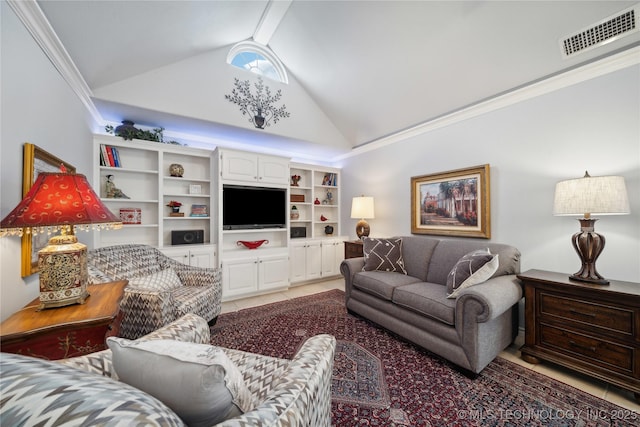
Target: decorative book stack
{"points": [[199, 210]]}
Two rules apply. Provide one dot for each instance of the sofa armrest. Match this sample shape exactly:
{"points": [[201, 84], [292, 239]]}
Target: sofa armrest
{"points": [[198, 276], [144, 311], [188, 328], [488, 300], [301, 396], [349, 267]]}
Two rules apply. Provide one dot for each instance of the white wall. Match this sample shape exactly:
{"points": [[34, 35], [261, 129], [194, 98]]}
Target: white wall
{"points": [[592, 126], [40, 108]]}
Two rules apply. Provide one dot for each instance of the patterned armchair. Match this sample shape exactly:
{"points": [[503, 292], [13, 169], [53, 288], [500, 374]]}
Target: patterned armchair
{"points": [[288, 393], [160, 289]]}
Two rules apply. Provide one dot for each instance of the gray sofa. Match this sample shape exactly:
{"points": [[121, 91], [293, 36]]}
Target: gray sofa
{"points": [[469, 330], [84, 391]]}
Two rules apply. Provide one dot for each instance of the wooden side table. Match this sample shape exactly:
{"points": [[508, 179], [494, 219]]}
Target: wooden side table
{"points": [[593, 329], [58, 333], [353, 249]]}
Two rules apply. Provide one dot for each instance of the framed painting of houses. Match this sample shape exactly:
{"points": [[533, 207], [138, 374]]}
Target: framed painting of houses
{"points": [[36, 160], [453, 203]]}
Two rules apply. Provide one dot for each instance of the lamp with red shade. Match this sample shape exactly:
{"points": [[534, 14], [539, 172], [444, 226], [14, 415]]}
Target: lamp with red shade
{"points": [[60, 202]]}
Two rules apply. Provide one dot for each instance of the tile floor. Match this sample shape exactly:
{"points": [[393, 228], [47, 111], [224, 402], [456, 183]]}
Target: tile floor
{"points": [[598, 388]]}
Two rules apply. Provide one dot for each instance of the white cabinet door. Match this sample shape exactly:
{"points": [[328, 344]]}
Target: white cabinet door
{"points": [[297, 262], [332, 256], [328, 258], [339, 255], [251, 167], [239, 277], [273, 170], [273, 272], [313, 260], [203, 256], [239, 166], [179, 254]]}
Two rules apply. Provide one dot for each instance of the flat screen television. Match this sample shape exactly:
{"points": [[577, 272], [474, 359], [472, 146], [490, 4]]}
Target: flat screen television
{"points": [[245, 207]]}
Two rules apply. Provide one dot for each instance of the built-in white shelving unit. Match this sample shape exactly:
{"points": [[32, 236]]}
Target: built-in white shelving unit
{"points": [[316, 197], [143, 175]]}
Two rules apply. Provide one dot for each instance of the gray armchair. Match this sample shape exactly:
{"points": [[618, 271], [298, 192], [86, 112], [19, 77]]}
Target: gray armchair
{"points": [[155, 296]]}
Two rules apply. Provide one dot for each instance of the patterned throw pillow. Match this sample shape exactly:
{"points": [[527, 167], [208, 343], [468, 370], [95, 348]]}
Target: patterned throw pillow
{"points": [[383, 255], [163, 280], [38, 392], [198, 381], [473, 268]]}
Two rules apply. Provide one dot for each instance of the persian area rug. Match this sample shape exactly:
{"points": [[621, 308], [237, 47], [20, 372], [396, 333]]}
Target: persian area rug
{"points": [[379, 379]]}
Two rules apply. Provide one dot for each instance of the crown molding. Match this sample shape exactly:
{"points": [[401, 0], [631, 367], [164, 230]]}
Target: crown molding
{"points": [[574, 76], [38, 26]]}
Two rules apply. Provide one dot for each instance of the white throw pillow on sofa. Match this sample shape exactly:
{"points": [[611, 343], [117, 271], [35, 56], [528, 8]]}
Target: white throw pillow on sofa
{"points": [[198, 381], [473, 268]]}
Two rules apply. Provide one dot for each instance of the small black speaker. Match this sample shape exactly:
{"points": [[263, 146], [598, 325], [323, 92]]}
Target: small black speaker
{"points": [[187, 237], [298, 232]]}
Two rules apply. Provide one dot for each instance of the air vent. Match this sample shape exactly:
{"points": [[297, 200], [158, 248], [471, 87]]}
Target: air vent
{"points": [[605, 31]]}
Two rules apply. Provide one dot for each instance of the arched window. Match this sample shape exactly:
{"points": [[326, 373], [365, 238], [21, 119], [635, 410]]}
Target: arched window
{"points": [[258, 59]]}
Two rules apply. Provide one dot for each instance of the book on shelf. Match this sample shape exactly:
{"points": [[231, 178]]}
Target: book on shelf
{"points": [[116, 157], [330, 179], [109, 156], [199, 210]]}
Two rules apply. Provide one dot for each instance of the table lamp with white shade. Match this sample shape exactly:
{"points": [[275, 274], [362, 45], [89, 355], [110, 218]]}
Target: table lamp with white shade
{"points": [[362, 208], [590, 195]]}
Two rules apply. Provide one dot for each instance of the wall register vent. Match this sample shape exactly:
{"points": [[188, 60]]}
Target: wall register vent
{"points": [[605, 31]]}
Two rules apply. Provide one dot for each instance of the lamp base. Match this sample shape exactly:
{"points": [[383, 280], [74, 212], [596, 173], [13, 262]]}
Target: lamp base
{"points": [[362, 229], [81, 299], [589, 245], [63, 272]]}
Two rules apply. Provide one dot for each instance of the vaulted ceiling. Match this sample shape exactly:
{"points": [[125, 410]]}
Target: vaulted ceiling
{"points": [[368, 69]]}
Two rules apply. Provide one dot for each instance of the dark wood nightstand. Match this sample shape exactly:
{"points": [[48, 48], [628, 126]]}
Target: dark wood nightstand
{"points": [[593, 329], [58, 333], [353, 249]]}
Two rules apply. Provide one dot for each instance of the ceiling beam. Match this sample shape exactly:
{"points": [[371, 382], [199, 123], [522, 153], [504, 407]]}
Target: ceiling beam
{"points": [[270, 20]]}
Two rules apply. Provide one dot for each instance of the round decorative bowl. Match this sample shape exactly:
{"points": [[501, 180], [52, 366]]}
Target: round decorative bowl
{"points": [[176, 170], [251, 244]]}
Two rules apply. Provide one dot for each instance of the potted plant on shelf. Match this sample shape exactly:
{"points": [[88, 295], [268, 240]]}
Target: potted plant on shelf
{"points": [[175, 207]]}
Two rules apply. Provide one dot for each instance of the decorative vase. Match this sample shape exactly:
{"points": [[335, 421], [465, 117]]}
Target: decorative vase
{"points": [[126, 130], [176, 170], [328, 230], [316, 201], [294, 180], [175, 209]]}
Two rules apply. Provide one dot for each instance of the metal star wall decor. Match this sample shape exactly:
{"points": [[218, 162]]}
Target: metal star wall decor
{"points": [[259, 107]]}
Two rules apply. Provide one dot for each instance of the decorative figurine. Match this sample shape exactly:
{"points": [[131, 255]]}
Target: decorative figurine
{"points": [[112, 191]]}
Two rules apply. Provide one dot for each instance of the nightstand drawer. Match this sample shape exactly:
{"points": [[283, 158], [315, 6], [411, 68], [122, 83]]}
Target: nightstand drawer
{"points": [[591, 314], [603, 353]]}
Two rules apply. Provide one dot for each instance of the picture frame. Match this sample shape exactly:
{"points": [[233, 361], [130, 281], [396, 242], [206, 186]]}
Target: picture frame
{"points": [[36, 160], [452, 203]]}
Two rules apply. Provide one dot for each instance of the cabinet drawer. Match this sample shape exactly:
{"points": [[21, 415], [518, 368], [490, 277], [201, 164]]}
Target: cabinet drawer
{"points": [[592, 314], [603, 353]]}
